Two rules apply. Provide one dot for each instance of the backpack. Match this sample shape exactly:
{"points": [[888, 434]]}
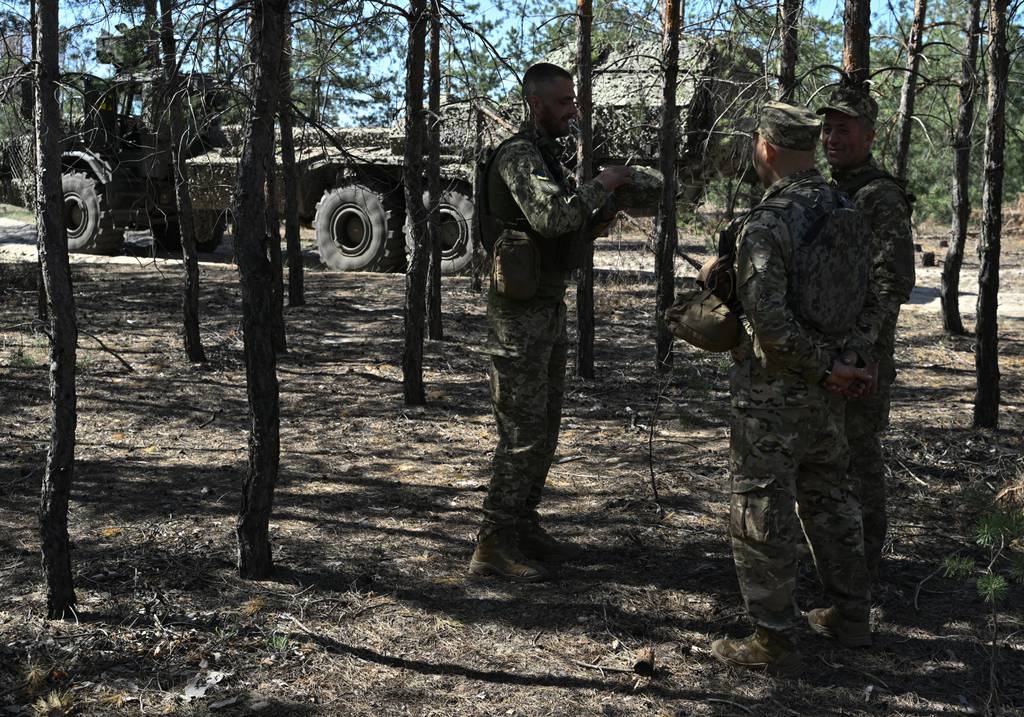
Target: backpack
{"points": [[488, 226], [831, 262]]}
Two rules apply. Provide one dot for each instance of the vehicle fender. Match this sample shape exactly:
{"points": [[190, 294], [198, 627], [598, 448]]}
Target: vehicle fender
{"points": [[95, 166]]}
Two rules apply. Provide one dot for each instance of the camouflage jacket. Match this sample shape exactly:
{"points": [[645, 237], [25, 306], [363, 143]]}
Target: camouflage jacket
{"points": [[527, 186], [885, 207], [779, 361]]}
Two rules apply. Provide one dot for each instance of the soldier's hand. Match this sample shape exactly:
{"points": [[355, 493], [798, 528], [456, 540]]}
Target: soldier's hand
{"points": [[843, 376], [615, 176], [860, 388]]}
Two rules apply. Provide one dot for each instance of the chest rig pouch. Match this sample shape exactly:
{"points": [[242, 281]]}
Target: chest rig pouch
{"points": [[515, 268]]}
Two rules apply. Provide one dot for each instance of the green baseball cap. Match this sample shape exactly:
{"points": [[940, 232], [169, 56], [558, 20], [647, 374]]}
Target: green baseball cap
{"points": [[789, 126], [852, 102]]}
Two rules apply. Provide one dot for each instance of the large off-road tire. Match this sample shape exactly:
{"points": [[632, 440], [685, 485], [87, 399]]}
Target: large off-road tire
{"points": [[359, 228], [456, 210], [210, 225], [87, 219]]}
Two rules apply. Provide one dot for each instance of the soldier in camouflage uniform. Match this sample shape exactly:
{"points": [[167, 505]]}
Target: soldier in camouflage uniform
{"points": [[527, 190], [787, 441], [846, 136]]}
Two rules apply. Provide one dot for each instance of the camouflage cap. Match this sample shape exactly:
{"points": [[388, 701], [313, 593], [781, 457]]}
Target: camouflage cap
{"points": [[644, 192], [852, 102], [789, 126]]}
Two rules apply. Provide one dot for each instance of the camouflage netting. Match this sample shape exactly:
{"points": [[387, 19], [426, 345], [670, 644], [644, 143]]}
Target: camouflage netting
{"points": [[718, 83], [17, 170]]}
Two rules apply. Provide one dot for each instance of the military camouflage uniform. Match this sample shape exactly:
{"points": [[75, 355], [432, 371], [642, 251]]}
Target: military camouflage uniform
{"points": [[884, 204], [787, 442], [528, 189]]}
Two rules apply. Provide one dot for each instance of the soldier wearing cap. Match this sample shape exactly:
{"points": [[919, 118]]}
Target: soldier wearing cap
{"points": [[787, 442], [847, 133]]}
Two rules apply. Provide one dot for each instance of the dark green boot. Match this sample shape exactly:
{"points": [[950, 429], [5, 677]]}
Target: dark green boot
{"points": [[766, 650], [538, 544], [829, 622], [497, 554]]}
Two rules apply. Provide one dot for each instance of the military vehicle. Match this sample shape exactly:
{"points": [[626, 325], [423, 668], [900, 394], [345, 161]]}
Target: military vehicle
{"points": [[350, 180], [118, 173], [116, 162]]}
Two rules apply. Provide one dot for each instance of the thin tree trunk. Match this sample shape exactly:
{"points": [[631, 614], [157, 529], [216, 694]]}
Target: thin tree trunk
{"points": [[435, 330], [986, 350], [296, 288], [951, 319], [909, 92], [479, 254], [416, 213], [257, 278], [856, 41], [274, 253], [584, 173], [53, 253], [41, 313], [789, 16], [664, 257], [173, 94]]}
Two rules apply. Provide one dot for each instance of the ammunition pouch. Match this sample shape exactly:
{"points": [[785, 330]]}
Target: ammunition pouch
{"points": [[515, 269]]}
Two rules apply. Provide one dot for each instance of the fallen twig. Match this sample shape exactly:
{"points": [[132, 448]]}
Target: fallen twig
{"points": [[106, 348], [917, 590], [727, 702]]}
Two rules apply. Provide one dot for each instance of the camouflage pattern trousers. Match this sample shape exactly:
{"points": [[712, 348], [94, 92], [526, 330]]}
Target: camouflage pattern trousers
{"points": [[866, 421], [528, 347], [790, 463]]}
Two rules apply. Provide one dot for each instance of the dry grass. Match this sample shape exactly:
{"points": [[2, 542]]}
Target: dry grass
{"points": [[372, 612]]}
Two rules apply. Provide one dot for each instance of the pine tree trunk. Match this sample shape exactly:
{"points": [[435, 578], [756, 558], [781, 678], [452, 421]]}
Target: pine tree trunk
{"points": [[986, 354], [584, 173], [435, 330], [789, 16], [257, 278], [53, 253], [856, 41], [479, 253], [296, 288], [909, 92], [951, 319], [173, 94], [41, 313], [274, 252], [416, 213], [664, 257]]}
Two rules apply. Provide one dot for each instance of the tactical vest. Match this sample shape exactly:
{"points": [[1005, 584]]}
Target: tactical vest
{"points": [[496, 211], [831, 260]]}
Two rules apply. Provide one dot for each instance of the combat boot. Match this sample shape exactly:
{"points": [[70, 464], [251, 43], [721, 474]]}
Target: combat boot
{"points": [[829, 622], [538, 544], [497, 554], [765, 649]]}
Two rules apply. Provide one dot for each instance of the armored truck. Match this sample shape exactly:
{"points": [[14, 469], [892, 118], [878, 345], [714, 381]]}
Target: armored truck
{"points": [[115, 153]]}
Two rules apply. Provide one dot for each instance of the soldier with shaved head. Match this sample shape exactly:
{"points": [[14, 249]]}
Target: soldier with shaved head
{"points": [[538, 224]]}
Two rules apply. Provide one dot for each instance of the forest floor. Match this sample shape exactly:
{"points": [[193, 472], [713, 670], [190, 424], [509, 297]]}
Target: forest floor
{"points": [[372, 611]]}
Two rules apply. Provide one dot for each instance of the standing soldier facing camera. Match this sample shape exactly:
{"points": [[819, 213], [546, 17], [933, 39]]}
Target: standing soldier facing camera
{"points": [[802, 269], [847, 133], [537, 226]]}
